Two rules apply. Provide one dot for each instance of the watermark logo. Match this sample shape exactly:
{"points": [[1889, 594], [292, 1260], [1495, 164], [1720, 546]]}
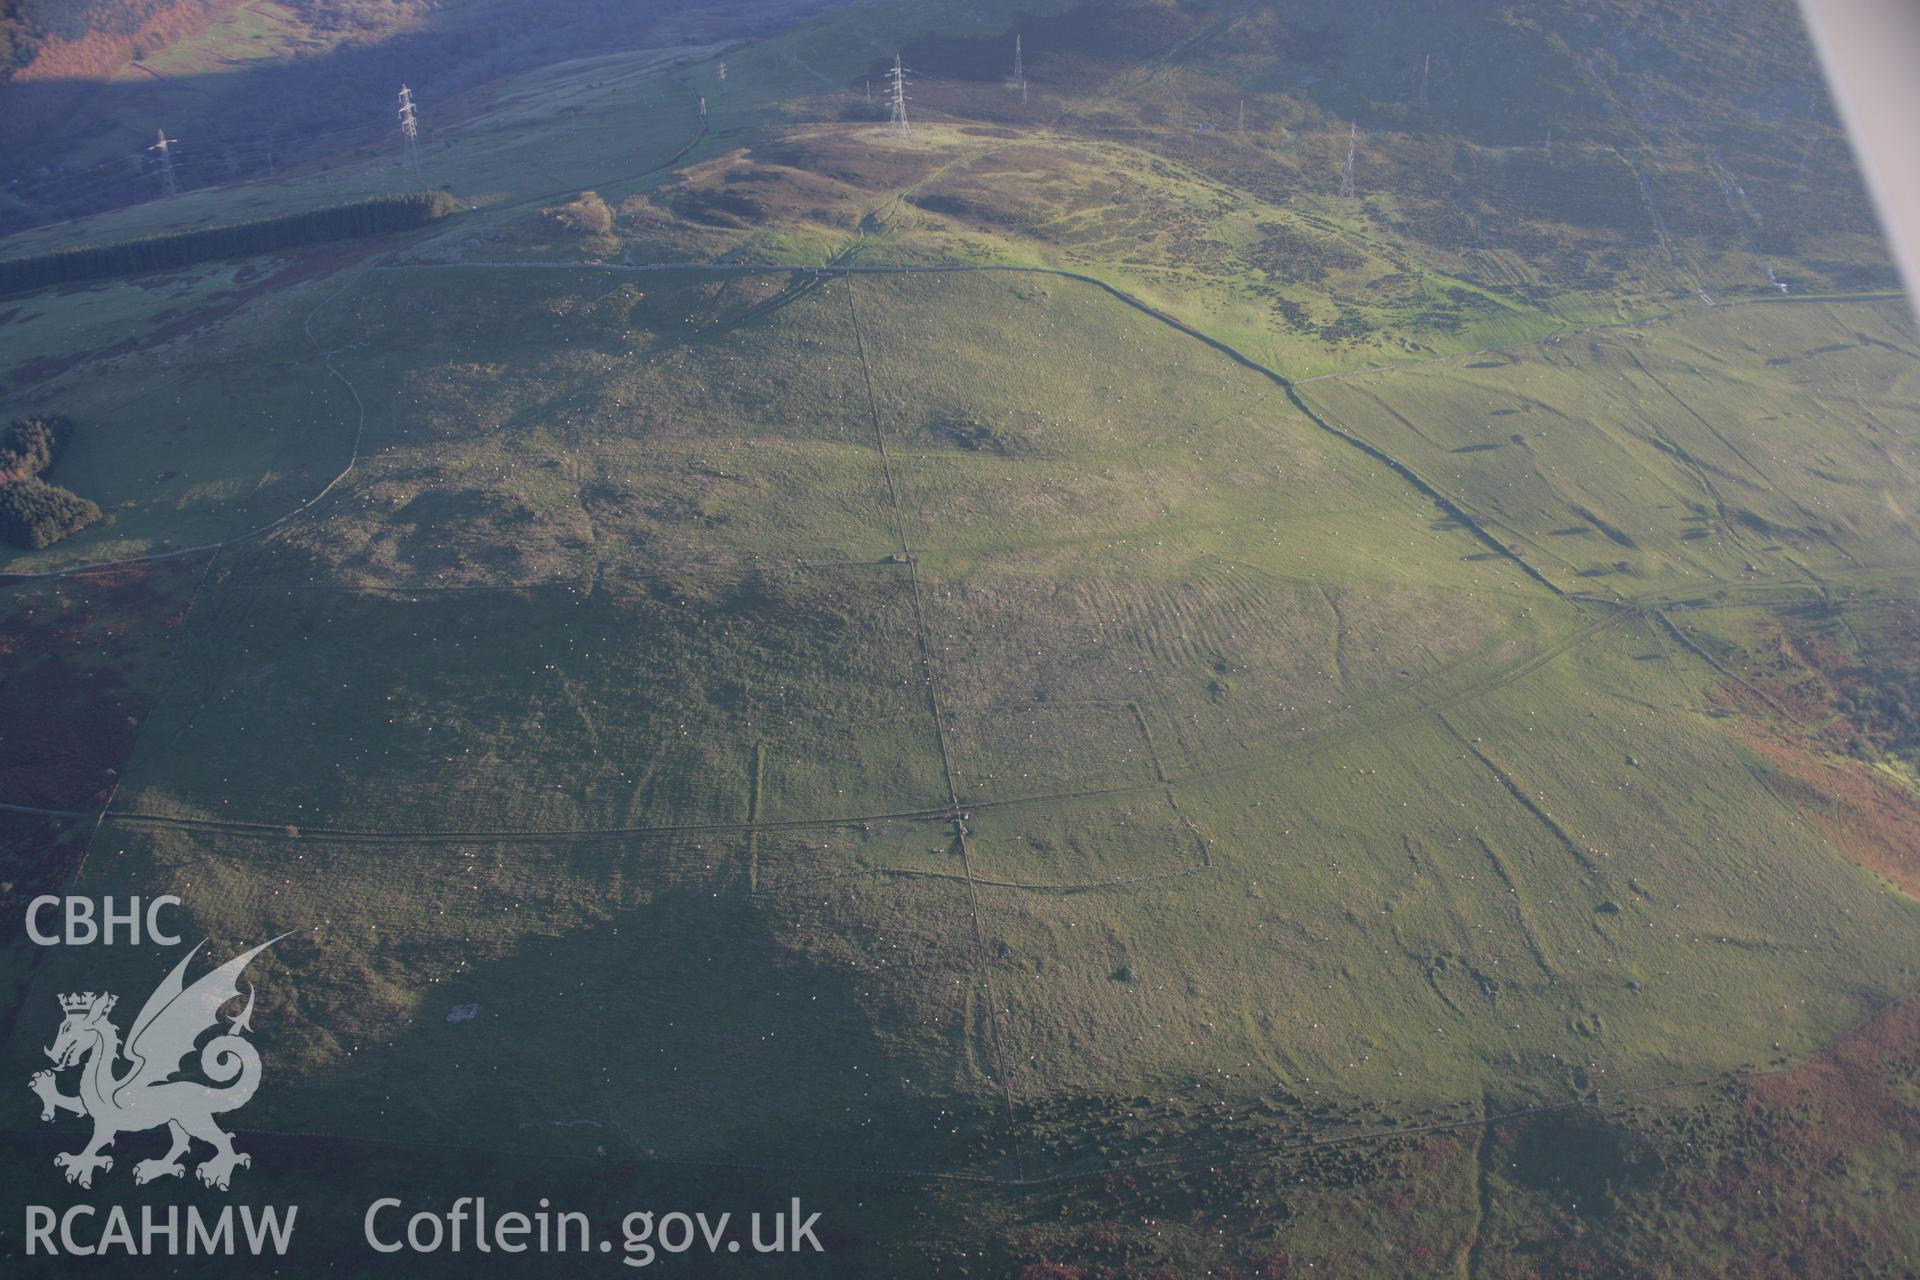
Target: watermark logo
{"points": [[134, 1086]]}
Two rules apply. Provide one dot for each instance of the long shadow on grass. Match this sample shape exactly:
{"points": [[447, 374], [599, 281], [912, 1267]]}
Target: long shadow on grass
{"points": [[695, 1028]]}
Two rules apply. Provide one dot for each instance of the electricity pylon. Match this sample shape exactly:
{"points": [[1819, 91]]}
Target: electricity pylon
{"points": [[162, 149], [409, 127], [897, 98]]}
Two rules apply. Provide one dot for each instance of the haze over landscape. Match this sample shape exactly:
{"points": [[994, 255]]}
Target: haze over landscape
{"points": [[1234, 639]]}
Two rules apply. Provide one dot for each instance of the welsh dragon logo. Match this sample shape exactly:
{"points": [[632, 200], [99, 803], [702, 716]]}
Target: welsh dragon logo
{"points": [[145, 1095]]}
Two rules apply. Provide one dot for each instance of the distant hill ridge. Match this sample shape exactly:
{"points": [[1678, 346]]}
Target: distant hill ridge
{"points": [[92, 39]]}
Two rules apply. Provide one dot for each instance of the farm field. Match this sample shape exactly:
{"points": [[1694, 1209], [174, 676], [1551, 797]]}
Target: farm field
{"points": [[1051, 682]]}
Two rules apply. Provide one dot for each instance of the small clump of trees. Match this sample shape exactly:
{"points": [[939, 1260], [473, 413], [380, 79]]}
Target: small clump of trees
{"points": [[376, 216], [33, 512], [589, 217], [587, 214]]}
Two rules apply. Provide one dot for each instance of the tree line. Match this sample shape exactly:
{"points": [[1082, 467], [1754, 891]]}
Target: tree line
{"points": [[375, 216]]}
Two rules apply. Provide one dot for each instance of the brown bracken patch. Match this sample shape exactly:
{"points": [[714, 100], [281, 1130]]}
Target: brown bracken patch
{"points": [[1870, 817]]}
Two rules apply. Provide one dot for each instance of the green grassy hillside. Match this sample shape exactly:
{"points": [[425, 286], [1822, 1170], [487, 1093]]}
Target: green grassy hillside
{"points": [[1102, 682]]}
